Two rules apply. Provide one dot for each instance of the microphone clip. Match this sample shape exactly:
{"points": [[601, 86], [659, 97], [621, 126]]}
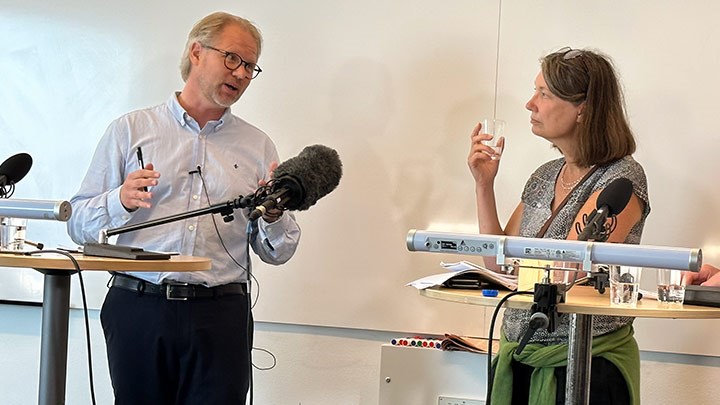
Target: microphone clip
{"points": [[282, 193], [596, 227]]}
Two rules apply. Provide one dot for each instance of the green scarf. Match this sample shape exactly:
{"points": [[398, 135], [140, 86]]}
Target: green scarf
{"points": [[619, 347]]}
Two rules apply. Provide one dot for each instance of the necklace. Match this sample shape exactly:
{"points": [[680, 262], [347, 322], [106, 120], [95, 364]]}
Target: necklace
{"points": [[565, 185]]}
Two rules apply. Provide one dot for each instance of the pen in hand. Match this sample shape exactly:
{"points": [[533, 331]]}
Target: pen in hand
{"points": [[142, 164]]}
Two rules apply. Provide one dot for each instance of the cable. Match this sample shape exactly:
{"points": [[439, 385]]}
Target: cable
{"points": [[217, 230], [251, 304], [7, 191], [250, 327], [488, 394], [274, 360], [577, 281], [85, 312]]}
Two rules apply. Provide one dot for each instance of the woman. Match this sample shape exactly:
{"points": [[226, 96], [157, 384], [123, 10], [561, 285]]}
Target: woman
{"points": [[578, 107]]}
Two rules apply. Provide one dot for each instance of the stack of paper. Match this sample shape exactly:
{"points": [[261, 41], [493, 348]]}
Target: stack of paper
{"points": [[463, 269]]}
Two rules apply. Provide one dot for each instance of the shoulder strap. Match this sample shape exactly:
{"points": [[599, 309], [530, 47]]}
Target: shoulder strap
{"points": [[541, 232]]}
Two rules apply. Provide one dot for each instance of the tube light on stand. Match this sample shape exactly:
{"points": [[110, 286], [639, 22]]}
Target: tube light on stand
{"points": [[35, 209], [556, 250]]}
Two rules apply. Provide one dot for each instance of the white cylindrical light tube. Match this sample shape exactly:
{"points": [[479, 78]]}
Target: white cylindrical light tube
{"points": [[35, 209], [556, 249]]}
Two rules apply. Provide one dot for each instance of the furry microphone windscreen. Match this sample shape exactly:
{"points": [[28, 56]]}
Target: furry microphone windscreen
{"points": [[318, 171]]}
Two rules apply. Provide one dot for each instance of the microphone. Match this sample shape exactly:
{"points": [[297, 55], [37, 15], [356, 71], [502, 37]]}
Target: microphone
{"points": [[13, 170], [299, 182], [611, 201]]}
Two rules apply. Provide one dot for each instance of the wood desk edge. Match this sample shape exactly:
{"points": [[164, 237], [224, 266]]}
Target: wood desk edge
{"points": [[580, 300], [54, 261]]}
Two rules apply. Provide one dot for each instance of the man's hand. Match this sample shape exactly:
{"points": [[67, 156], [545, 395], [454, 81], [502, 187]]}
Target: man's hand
{"points": [[132, 192]]}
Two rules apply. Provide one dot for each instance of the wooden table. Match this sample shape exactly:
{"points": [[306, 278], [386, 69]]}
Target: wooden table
{"points": [[57, 270], [581, 303]]}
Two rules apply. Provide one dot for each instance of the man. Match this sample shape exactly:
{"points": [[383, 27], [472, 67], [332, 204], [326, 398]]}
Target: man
{"points": [[161, 348]]}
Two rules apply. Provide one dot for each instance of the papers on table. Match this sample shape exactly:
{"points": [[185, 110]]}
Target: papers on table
{"points": [[468, 274]]}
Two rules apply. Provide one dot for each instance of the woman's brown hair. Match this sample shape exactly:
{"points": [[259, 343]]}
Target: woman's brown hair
{"points": [[583, 76]]}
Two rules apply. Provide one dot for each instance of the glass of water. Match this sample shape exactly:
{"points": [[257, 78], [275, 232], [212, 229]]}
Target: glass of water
{"points": [[670, 288], [12, 233], [624, 285], [496, 128]]}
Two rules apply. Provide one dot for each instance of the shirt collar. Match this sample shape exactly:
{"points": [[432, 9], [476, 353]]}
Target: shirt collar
{"points": [[183, 117]]}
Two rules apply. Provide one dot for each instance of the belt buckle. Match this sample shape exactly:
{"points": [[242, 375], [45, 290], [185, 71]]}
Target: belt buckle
{"points": [[168, 292]]}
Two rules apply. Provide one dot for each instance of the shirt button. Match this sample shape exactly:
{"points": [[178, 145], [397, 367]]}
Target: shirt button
{"points": [[191, 227], [195, 197]]}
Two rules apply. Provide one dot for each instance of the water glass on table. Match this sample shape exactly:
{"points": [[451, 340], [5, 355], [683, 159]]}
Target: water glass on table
{"points": [[670, 289], [12, 233], [624, 285], [496, 128]]}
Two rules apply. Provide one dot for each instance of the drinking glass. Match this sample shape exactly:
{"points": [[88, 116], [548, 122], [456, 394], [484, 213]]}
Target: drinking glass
{"points": [[670, 288], [496, 128], [624, 285]]}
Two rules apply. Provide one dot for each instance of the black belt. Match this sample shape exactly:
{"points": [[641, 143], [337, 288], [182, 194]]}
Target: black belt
{"points": [[176, 291]]}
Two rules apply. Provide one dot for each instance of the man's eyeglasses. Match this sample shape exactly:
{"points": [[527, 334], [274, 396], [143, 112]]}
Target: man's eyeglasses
{"points": [[234, 61]]}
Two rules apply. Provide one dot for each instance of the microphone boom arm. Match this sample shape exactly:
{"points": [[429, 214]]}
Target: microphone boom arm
{"points": [[225, 209]]}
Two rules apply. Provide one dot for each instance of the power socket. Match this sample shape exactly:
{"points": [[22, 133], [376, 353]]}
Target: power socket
{"points": [[459, 401]]}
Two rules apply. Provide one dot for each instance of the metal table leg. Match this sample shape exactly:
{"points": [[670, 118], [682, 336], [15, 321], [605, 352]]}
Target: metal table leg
{"points": [[54, 338], [577, 383]]}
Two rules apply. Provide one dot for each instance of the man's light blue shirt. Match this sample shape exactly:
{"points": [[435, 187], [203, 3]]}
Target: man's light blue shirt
{"points": [[232, 155]]}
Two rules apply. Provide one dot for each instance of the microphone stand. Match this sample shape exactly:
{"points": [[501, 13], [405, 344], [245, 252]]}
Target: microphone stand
{"points": [[597, 232], [579, 360], [104, 249], [547, 295]]}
